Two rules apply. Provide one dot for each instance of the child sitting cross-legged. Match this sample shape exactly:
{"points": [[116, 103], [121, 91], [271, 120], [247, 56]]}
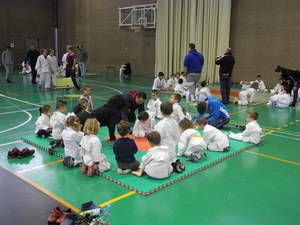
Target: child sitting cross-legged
{"points": [[72, 136], [214, 138], [93, 159], [252, 132], [143, 125], [191, 144], [42, 124], [125, 149], [157, 162], [282, 99]]}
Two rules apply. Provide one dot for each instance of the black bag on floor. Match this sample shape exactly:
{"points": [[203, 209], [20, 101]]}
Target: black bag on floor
{"points": [[69, 162], [178, 166]]}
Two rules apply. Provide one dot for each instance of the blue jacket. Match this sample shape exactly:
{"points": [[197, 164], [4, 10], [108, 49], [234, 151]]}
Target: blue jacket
{"points": [[194, 61], [216, 110]]}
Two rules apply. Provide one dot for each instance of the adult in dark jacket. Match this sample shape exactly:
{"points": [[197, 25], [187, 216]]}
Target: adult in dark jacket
{"points": [[31, 59], [193, 63], [226, 63], [134, 100], [292, 77], [109, 115]]}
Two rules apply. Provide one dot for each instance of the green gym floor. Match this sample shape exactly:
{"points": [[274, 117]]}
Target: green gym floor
{"points": [[259, 186]]}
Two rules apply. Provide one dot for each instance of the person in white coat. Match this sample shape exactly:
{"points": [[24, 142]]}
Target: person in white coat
{"points": [[261, 83], [282, 99], [57, 123], [180, 88], [157, 162], [153, 105], [143, 125], [177, 114], [93, 159], [214, 138], [53, 66], [202, 92], [168, 129], [191, 144], [171, 83], [252, 132], [43, 69], [247, 96], [71, 137], [159, 82], [42, 124]]}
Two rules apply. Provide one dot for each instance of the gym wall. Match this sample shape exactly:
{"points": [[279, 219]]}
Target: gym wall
{"points": [[94, 23], [264, 34], [25, 22]]}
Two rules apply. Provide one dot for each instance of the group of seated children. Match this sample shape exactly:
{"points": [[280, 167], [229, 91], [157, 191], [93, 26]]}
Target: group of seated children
{"points": [[175, 135]]}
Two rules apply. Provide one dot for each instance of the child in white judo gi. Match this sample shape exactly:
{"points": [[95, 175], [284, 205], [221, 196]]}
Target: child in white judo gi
{"points": [[143, 125], [42, 124], [177, 109], [53, 66], [252, 132], [168, 129], [57, 123], [282, 99], [72, 136], [87, 95], [261, 83], [278, 87], [171, 83], [43, 69], [93, 159], [245, 85], [159, 82], [180, 88], [187, 115], [214, 138], [153, 105], [191, 144], [247, 96], [202, 92], [157, 162]]}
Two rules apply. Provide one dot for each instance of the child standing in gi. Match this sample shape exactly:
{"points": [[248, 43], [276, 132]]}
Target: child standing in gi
{"points": [[87, 95]]}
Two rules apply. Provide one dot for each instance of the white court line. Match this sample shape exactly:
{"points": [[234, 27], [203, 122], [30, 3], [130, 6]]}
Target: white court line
{"points": [[114, 89], [10, 143], [20, 125], [17, 111], [19, 100], [288, 137]]}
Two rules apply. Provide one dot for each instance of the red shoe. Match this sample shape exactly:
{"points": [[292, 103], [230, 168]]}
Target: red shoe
{"points": [[14, 153], [25, 153]]}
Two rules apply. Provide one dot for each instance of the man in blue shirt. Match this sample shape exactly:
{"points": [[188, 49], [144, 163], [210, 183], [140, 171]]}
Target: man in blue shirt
{"points": [[218, 113], [193, 63]]}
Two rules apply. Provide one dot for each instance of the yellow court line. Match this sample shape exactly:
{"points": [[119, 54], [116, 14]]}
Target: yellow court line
{"points": [[272, 157], [40, 166], [270, 132], [37, 186], [117, 198]]}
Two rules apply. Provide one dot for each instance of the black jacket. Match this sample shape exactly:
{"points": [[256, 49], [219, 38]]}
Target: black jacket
{"points": [[226, 63], [128, 112], [31, 57], [290, 75], [108, 115]]}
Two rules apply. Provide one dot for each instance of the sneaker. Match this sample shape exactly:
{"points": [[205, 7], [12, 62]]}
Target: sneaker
{"points": [[226, 149], [14, 153], [26, 153]]}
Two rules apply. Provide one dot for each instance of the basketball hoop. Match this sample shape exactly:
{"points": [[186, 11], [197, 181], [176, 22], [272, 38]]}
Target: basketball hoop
{"points": [[137, 27]]}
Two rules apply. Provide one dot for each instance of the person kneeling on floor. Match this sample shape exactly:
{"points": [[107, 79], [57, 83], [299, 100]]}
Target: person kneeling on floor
{"points": [[125, 149], [252, 131], [216, 140], [93, 159], [218, 113], [157, 162], [42, 124], [191, 144]]}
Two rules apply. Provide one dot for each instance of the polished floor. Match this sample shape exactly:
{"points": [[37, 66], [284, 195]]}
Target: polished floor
{"points": [[258, 186]]}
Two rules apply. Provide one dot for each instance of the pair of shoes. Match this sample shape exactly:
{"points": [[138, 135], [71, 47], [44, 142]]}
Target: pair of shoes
{"points": [[8, 81], [122, 172], [16, 153], [57, 216]]}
